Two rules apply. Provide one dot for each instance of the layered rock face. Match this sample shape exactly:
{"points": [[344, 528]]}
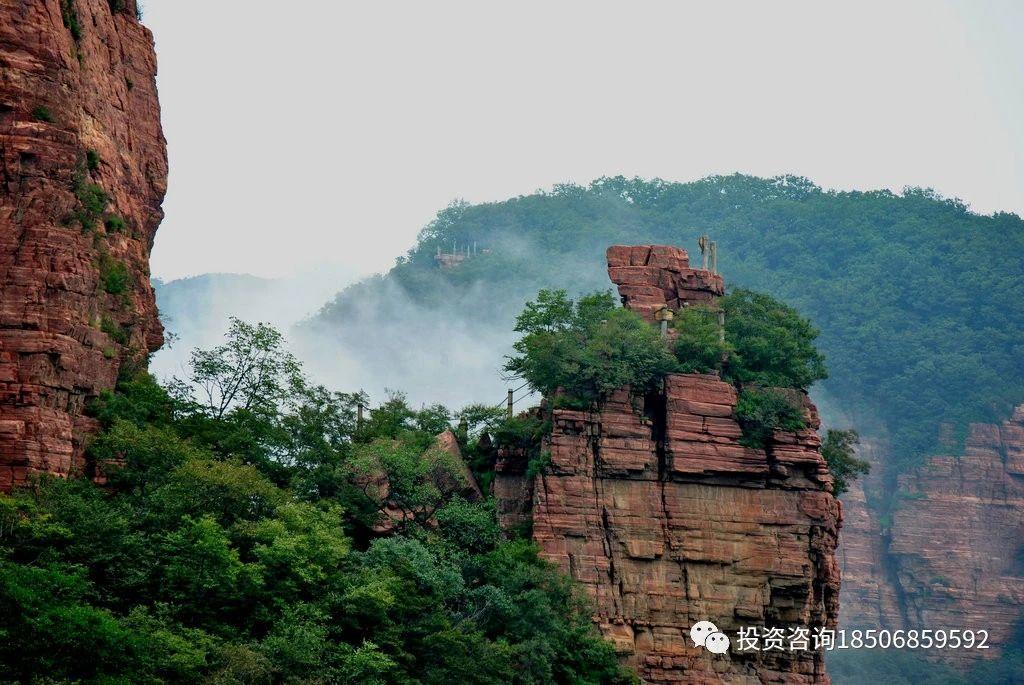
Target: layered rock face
{"points": [[650, 277], [953, 556], [655, 507], [83, 172]]}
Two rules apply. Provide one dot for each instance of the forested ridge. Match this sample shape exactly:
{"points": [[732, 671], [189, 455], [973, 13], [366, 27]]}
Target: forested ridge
{"points": [[917, 298]]}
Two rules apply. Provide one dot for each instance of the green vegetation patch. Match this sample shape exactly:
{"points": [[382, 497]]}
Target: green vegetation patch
{"points": [[839, 450], [587, 348], [762, 411], [115, 224], [116, 331], [42, 113], [92, 201], [69, 15], [233, 544], [114, 274]]}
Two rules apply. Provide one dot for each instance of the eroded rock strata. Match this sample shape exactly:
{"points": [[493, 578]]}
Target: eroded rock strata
{"points": [[83, 172], [952, 554], [655, 507]]}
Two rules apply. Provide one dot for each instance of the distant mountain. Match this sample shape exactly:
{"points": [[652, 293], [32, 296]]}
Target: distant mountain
{"points": [[918, 299], [196, 310]]}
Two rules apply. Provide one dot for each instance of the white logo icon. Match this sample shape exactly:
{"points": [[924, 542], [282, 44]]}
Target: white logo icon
{"points": [[717, 643], [707, 635]]}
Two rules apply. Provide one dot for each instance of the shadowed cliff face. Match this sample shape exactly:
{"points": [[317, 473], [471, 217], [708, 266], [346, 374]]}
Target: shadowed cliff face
{"points": [[654, 506], [83, 172], [951, 553]]}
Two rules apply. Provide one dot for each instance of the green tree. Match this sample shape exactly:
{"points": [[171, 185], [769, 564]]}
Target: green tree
{"points": [[586, 349], [699, 347], [251, 371], [400, 476], [838, 449], [772, 345], [761, 412]]}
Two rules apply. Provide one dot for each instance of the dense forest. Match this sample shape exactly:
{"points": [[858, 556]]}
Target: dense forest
{"points": [[916, 297], [236, 541]]}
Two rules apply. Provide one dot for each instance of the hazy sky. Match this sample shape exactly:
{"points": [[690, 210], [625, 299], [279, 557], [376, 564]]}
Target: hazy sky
{"points": [[328, 133]]}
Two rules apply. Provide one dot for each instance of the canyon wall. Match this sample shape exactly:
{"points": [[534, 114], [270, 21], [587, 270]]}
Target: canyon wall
{"points": [[652, 503], [951, 554], [83, 171]]}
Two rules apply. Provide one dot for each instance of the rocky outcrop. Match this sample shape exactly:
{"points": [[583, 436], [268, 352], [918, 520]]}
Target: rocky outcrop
{"points": [[450, 475], [952, 555], [83, 172], [652, 503], [650, 277]]}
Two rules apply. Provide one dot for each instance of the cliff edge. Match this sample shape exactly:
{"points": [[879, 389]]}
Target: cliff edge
{"points": [[83, 172]]}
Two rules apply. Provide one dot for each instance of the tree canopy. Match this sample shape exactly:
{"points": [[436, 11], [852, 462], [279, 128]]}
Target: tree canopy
{"points": [[232, 545], [586, 348]]}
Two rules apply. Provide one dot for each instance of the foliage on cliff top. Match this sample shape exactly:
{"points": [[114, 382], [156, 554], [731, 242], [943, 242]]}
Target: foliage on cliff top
{"points": [[581, 350], [232, 546], [761, 412], [917, 298], [586, 348], [766, 342]]}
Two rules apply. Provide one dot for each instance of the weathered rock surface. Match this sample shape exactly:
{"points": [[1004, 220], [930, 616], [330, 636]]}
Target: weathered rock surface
{"points": [[77, 114], [654, 506], [650, 277], [952, 555]]}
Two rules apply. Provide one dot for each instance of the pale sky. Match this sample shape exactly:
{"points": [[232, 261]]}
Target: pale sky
{"points": [[325, 134]]}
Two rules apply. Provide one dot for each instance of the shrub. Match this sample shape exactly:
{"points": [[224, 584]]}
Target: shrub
{"points": [[537, 464], [115, 330], [772, 345], [115, 224], [586, 348], [93, 198], [42, 113], [524, 432], [92, 202], [92, 160], [114, 275], [761, 412], [699, 347], [838, 450], [69, 15]]}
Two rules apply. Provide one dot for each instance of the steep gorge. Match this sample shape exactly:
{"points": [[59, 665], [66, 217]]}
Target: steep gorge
{"points": [[657, 509], [83, 172]]}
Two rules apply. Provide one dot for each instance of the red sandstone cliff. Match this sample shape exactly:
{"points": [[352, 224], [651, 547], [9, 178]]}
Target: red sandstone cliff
{"points": [[654, 506], [951, 556], [83, 171]]}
